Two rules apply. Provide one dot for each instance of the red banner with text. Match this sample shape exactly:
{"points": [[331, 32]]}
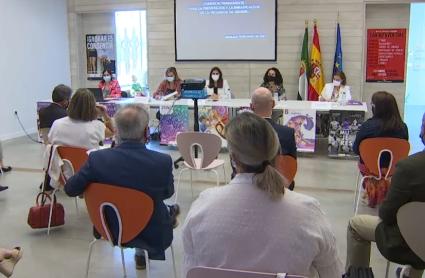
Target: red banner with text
{"points": [[386, 55]]}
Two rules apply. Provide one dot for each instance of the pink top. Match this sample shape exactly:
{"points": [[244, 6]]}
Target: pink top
{"points": [[113, 86], [166, 88], [238, 226]]}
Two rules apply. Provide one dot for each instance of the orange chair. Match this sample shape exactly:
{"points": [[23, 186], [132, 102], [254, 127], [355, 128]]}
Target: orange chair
{"points": [[210, 272], [371, 150], [287, 166], [74, 158], [133, 210]]}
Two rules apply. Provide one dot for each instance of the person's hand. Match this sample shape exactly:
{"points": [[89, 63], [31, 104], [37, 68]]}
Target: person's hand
{"points": [[157, 96]]}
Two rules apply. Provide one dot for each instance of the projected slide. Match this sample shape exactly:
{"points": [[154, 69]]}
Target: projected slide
{"points": [[415, 92], [225, 30]]}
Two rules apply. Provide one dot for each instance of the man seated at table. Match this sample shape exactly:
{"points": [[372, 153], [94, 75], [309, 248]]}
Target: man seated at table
{"points": [[132, 165], [262, 104], [56, 110]]}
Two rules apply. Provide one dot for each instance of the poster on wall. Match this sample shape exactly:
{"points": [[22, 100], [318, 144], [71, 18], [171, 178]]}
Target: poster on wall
{"points": [[385, 55], [174, 119], [304, 123], [101, 55], [343, 128]]}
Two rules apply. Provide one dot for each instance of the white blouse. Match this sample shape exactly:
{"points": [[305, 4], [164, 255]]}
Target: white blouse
{"points": [[223, 93], [343, 95], [238, 226], [69, 132]]}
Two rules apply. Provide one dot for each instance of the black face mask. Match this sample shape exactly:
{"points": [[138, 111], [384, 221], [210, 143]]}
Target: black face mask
{"points": [[271, 78]]}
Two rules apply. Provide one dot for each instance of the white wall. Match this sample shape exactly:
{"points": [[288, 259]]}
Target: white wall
{"points": [[34, 53]]}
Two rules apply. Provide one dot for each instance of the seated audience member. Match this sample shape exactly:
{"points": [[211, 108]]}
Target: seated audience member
{"points": [[273, 81], [386, 122], [217, 87], [4, 168], [254, 223], [56, 110], [8, 259], [338, 90], [407, 185], [110, 87], [136, 167], [171, 84], [81, 127]]}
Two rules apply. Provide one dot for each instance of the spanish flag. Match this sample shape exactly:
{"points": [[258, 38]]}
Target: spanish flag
{"points": [[316, 70]]}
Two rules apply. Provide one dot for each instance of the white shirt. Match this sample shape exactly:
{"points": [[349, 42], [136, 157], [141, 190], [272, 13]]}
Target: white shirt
{"points": [[343, 95], [223, 93], [69, 132], [238, 226]]}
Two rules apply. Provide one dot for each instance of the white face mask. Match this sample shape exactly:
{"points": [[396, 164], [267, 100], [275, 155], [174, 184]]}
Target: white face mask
{"points": [[215, 77], [170, 78], [107, 78], [336, 83]]}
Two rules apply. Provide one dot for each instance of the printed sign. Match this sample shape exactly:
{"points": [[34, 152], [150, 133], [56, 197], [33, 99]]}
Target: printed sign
{"points": [[100, 49]]}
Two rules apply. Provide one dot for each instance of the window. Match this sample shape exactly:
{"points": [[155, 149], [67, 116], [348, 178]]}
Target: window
{"points": [[131, 45]]}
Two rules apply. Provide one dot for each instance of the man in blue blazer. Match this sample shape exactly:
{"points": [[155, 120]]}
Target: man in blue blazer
{"points": [[132, 165], [262, 104]]}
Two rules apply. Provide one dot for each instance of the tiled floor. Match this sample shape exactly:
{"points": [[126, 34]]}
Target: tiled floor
{"points": [[64, 252]]}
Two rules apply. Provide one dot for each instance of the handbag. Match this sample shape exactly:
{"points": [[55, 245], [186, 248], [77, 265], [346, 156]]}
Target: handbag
{"points": [[358, 272], [38, 216]]}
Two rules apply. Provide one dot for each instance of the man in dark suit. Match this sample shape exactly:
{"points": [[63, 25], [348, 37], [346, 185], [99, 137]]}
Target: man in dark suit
{"points": [[407, 185], [262, 104], [56, 110], [130, 164]]}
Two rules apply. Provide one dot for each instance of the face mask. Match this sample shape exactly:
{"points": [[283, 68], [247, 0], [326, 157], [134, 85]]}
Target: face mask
{"points": [[336, 83], [271, 78], [215, 77], [170, 78], [107, 78]]}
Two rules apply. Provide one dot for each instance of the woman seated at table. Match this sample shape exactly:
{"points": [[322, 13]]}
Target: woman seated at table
{"points": [[171, 84], [386, 122], [273, 81], [81, 128], [338, 90], [217, 87], [254, 223], [110, 87]]}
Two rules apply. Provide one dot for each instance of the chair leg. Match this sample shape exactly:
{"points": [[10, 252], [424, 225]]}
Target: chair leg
{"points": [[218, 178], [178, 185], [174, 261], [51, 211], [387, 270], [76, 205], [89, 257], [123, 262], [191, 182], [358, 196], [148, 267]]}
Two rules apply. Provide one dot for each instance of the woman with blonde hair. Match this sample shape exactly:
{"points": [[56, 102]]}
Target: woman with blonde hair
{"points": [[253, 223]]}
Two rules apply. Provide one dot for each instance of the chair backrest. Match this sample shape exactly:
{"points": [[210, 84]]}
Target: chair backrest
{"points": [[210, 272], [287, 166], [77, 156], [44, 133], [412, 227], [371, 150], [133, 210], [208, 144]]}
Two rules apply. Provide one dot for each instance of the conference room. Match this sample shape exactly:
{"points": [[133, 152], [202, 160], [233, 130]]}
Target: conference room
{"points": [[188, 138]]}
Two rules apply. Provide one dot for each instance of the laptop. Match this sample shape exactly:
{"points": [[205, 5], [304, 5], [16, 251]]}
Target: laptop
{"points": [[98, 94]]}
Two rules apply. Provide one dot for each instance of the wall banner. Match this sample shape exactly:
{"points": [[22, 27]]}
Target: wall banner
{"points": [[101, 55]]}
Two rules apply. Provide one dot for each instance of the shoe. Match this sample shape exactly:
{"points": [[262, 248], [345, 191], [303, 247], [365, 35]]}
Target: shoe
{"points": [[2, 188], [7, 265], [140, 262], [6, 169], [174, 212]]}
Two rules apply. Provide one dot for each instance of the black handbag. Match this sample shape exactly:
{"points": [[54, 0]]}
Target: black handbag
{"points": [[358, 272]]}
